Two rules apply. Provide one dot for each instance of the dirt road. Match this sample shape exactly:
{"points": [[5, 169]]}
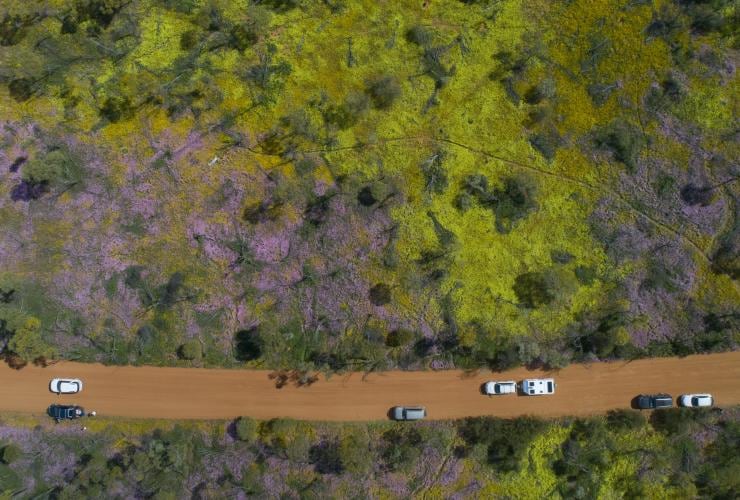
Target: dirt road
{"points": [[187, 393]]}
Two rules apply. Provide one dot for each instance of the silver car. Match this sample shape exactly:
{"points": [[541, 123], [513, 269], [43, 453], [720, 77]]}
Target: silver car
{"points": [[408, 412]]}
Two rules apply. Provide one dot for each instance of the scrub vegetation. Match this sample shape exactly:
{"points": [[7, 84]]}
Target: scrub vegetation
{"points": [[676, 453], [362, 185]]}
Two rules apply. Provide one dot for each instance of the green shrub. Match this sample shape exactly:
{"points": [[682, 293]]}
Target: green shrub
{"points": [[513, 202], [10, 481], [182, 6], [248, 344], [720, 477], [546, 143], [383, 91], [664, 184], [419, 35], [625, 419], [697, 195], [241, 37], [249, 32], [624, 140], [506, 440], [674, 421], [561, 256], [585, 454], [11, 453], [399, 338], [540, 92], [666, 23], [380, 294], [191, 350], [189, 39], [477, 185], [661, 276], [349, 112], [60, 168], [586, 275], [726, 259], [13, 29], [435, 174], [21, 89], [355, 452], [246, 429], [325, 457], [534, 289], [400, 447], [148, 343], [600, 92], [268, 75], [707, 17], [463, 202], [173, 291], [434, 68], [445, 237], [117, 108], [251, 481], [28, 343], [281, 5], [290, 438], [601, 342], [101, 12]]}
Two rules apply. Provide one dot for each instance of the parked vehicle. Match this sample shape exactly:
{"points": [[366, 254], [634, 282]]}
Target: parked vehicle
{"points": [[65, 412], [65, 385], [538, 386], [653, 401], [696, 400], [408, 412], [495, 388]]}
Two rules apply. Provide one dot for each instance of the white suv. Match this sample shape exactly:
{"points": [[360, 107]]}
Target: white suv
{"points": [[493, 387], [65, 385], [696, 400], [538, 386]]}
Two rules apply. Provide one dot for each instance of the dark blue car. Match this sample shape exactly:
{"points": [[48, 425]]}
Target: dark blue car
{"points": [[65, 412], [653, 401]]}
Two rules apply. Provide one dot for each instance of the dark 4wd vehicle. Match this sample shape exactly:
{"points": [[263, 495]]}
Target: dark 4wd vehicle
{"points": [[65, 412], [653, 401]]}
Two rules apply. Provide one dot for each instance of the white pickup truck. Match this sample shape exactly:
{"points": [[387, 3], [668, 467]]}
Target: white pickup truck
{"points": [[538, 386]]}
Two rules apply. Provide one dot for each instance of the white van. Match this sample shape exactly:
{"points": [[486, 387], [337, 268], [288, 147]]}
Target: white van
{"points": [[538, 386]]}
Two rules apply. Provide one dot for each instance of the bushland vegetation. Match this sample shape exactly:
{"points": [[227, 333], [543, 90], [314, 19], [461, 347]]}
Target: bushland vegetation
{"points": [[675, 453], [334, 185]]}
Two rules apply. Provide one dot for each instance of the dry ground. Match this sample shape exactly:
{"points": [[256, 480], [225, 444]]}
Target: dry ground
{"points": [[192, 393]]}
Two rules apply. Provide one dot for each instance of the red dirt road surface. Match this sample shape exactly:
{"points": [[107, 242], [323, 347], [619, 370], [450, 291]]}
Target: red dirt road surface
{"points": [[193, 393]]}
